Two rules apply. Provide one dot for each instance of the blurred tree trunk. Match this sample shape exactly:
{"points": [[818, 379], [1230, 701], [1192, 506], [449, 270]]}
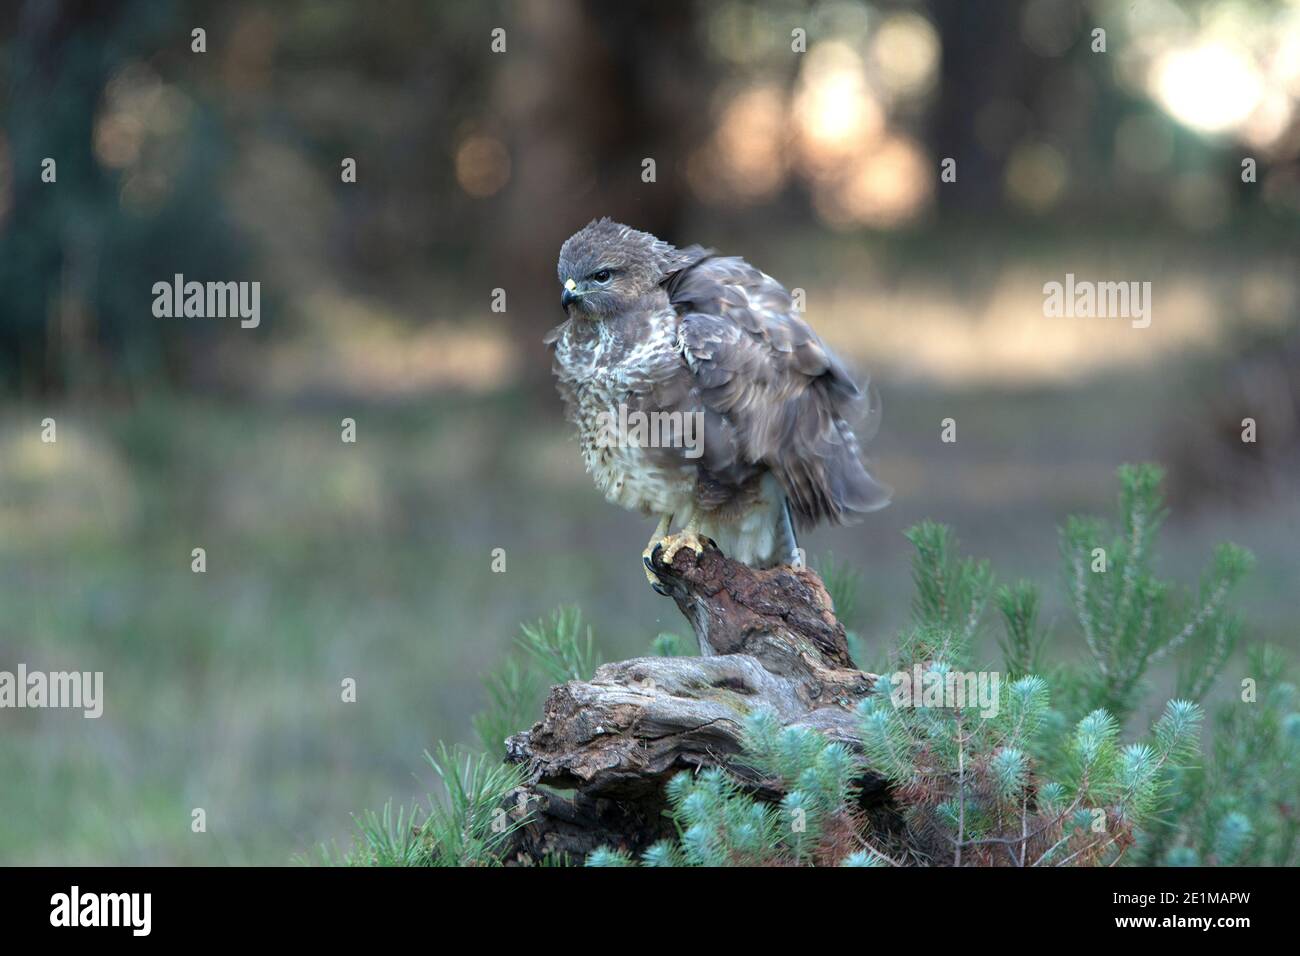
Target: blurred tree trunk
{"points": [[588, 91], [53, 231], [984, 61]]}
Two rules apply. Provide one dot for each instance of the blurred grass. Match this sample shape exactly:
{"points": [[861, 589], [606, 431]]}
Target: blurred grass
{"points": [[327, 560]]}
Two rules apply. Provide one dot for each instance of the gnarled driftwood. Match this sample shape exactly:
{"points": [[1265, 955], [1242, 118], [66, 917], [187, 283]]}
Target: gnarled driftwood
{"points": [[768, 639]]}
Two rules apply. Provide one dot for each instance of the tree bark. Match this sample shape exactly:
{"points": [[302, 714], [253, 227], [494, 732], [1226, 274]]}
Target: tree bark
{"points": [[767, 639]]}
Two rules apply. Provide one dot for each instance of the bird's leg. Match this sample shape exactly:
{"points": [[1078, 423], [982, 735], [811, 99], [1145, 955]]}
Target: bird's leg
{"points": [[661, 531], [688, 537], [669, 545], [794, 553]]}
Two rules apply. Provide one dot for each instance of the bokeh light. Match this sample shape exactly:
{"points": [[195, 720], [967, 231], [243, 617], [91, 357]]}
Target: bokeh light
{"points": [[1210, 87], [482, 165], [1036, 176]]}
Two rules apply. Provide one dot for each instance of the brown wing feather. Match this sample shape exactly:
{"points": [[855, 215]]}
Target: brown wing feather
{"points": [[782, 397]]}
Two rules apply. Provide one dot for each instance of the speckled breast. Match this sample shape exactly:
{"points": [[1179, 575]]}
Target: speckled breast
{"points": [[603, 383]]}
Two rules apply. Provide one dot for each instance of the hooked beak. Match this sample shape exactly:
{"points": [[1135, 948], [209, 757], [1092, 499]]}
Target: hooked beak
{"points": [[570, 295]]}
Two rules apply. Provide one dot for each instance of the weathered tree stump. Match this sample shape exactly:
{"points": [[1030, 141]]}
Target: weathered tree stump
{"points": [[768, 639]]}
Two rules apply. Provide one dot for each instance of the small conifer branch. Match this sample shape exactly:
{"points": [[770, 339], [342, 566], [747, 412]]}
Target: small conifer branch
{"points": [[1206, 611], [1024, 828], [961, 791], [1079, 592]]}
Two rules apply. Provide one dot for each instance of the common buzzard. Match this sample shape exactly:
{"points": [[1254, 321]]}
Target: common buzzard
{"points": [[701, 396]]}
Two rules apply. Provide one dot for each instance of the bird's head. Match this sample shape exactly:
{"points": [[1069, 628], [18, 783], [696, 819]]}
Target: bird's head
{"points": [[605, 268]]}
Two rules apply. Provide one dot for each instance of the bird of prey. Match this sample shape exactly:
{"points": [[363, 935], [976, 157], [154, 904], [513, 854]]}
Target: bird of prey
{"points": [[701, 396]]}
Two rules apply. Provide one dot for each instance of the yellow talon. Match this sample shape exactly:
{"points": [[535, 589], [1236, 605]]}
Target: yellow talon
{"points": [[688, 537], [660, 531]]}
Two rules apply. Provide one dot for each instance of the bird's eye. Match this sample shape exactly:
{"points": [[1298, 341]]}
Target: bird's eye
{"points": [[601, 275]]}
